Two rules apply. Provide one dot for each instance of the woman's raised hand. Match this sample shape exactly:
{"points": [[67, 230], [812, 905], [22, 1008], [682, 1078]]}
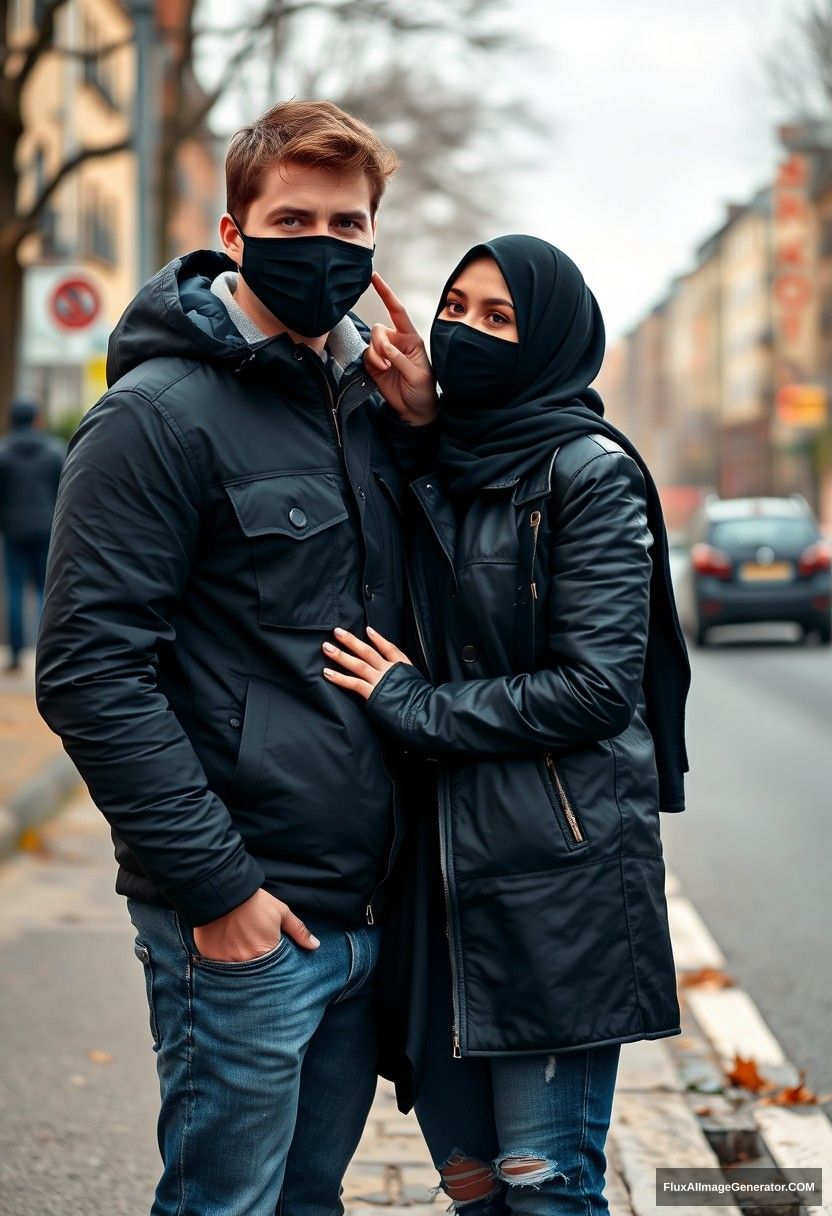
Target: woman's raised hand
{"points": [[398, 362], [366, 664]]}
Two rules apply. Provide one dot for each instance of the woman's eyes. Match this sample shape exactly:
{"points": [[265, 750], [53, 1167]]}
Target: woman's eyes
{"points": [[498, 319]]}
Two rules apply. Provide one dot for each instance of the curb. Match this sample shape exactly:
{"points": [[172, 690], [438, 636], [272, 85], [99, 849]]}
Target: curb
{"points": [[36, 801], [676, 1102]]}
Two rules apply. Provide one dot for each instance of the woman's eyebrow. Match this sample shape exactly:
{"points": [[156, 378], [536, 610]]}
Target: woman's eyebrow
{"points": [[457, 291], [505, 303]]}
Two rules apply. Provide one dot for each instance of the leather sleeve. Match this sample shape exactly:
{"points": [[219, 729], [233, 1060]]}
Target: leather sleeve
{"points": [[125, 533], [597, 637]]}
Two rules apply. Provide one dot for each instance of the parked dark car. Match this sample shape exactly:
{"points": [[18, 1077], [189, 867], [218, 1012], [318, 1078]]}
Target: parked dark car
{"points": [[756, 560]]}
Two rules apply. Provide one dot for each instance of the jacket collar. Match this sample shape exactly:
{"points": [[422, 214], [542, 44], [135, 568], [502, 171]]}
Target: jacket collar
{"points": [[537, 483], [528, 486]]}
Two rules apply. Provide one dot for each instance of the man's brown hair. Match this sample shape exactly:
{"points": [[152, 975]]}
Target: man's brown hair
{"points": [[312, 133]]}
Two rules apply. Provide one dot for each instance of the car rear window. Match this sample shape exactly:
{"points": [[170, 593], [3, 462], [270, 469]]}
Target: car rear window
{"points": [[776, 533]]}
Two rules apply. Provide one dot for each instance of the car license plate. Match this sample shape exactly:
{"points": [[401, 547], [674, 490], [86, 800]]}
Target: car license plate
{"points": [[774, 572]]}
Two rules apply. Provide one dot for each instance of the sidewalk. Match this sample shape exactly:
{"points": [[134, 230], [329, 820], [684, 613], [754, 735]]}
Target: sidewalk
{"points": [[35, 773]]}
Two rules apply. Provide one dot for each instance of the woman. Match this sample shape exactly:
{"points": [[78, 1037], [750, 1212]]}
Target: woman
{"points": [[553, 701]]}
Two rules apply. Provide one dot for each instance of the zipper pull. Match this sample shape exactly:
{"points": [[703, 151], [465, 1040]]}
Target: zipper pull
{"points": [[371, 920], [457, 1048]]}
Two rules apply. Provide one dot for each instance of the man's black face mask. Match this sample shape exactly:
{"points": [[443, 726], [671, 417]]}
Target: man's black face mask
{"points": [[308, 282], [472, 367]]}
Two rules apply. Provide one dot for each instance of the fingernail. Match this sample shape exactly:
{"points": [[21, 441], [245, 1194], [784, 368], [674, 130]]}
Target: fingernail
{"points": [[339, 633], [328, 671], [370, 629], [329, 648], [314, 941]]}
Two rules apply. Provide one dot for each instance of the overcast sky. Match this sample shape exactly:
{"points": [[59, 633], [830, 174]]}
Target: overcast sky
{"points": [[661, 114]]}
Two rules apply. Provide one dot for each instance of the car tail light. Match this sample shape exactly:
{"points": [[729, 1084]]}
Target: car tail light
{"points": [[816, 559], [708, 560]]}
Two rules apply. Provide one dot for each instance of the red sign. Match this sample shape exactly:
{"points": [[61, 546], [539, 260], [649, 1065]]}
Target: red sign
{"points": [[75, 303]]}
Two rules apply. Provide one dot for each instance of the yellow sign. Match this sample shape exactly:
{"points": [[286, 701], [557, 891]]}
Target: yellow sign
{"points": [[802, 405], [95, 379]]}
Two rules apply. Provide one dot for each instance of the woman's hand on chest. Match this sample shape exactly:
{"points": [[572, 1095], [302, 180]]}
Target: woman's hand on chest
{"points": [[364, 664]]}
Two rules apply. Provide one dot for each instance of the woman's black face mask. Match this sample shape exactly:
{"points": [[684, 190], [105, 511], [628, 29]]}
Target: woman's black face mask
{"points": [[472, 367], [308, 282]]}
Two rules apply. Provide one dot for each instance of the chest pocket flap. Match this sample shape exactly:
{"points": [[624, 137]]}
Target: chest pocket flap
{"points": [[298, 585], [296, 505]]}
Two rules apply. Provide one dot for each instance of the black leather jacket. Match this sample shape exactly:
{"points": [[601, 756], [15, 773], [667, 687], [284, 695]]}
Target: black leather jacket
{"points": [[222, 508], [533, 611]]}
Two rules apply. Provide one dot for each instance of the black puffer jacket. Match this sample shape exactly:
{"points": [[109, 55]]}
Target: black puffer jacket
{"points": [[534, 612], [221, 509]]}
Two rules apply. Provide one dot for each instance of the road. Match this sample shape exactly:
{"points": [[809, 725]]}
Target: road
{"points": [[752, 851], [754, 848]]}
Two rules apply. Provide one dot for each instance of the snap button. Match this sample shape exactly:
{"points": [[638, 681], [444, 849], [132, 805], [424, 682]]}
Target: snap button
{"points": [[141, 951], [298, 355], [361, 493], [469, 653], [297, 517], [235, 722], [368, 591]]}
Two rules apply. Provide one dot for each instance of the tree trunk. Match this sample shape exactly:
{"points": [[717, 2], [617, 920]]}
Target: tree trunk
{"points": [[11, 274]]}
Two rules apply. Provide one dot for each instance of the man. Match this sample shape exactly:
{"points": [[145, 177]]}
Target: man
{"points": [[232, 497], [30, 466]]}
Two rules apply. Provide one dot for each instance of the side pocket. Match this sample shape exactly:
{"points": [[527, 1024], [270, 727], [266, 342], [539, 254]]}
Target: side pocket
{"points": [[253, 736], [143, 955], [563, 805]]}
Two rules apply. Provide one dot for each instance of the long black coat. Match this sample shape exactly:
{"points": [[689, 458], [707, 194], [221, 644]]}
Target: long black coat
{"points": [[221, 509], [533, 611]]}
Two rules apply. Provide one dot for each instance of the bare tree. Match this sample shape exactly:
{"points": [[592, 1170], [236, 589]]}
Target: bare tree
{"points": [[377, 54], [17, 64], [800, 70]]}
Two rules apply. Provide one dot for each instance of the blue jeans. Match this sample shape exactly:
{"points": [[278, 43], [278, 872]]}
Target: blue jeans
{"points": [[267, 1068], [25, 565], [486, 1119]]}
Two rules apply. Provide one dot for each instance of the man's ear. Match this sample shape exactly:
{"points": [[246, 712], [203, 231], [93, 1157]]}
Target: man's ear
{"points": [[231, 240]]}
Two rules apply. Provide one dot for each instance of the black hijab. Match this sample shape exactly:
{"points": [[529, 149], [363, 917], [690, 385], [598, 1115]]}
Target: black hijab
{"points": [[546, 401]]}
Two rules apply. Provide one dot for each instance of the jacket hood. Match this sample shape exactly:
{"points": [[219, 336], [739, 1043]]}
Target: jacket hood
{"points": [[175, 314]]}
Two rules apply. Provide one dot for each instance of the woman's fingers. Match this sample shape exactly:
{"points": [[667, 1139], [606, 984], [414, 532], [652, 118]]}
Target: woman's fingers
{"points": [[387, 648], [360, 648], [398, 313], [351, 683], [359, 667]]}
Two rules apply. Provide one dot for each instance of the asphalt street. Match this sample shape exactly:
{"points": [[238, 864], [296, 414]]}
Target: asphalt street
{"points": [[77, 1080], [753, 850]]}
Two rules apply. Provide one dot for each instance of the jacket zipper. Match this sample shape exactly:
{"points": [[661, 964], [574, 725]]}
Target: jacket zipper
{"points": [[443, 853], [563, 799], [446, 883], [534, 520], [368, 912]]}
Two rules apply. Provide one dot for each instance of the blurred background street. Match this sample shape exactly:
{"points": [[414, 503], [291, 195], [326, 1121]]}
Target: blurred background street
{"points": [[682, 155]]}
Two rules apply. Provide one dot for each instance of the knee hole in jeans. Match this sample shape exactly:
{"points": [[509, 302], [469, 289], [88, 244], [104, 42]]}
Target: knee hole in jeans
{"points": [[466, 1180]]}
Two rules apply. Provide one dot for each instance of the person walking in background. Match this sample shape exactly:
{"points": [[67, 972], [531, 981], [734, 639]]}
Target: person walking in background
{"points": [[30, 468]]}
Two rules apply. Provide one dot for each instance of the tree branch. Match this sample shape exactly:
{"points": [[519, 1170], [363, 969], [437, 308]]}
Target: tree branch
{"points": [[24, 223], [33, 52]]}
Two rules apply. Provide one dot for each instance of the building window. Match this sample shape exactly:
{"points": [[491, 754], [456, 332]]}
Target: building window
{"points": [[99, 226]]}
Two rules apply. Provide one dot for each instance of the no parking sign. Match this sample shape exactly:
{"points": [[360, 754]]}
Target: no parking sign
{"points": [[75, 303]]}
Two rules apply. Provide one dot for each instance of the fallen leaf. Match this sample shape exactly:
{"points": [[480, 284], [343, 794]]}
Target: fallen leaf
{"points": [[703, 1111], [100, 1057], [706, 977], [796, 1095], [746, 1075]]}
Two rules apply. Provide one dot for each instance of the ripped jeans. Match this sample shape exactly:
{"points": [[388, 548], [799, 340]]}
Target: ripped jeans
{"points": [[519, 1134], [537, 1123]]}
